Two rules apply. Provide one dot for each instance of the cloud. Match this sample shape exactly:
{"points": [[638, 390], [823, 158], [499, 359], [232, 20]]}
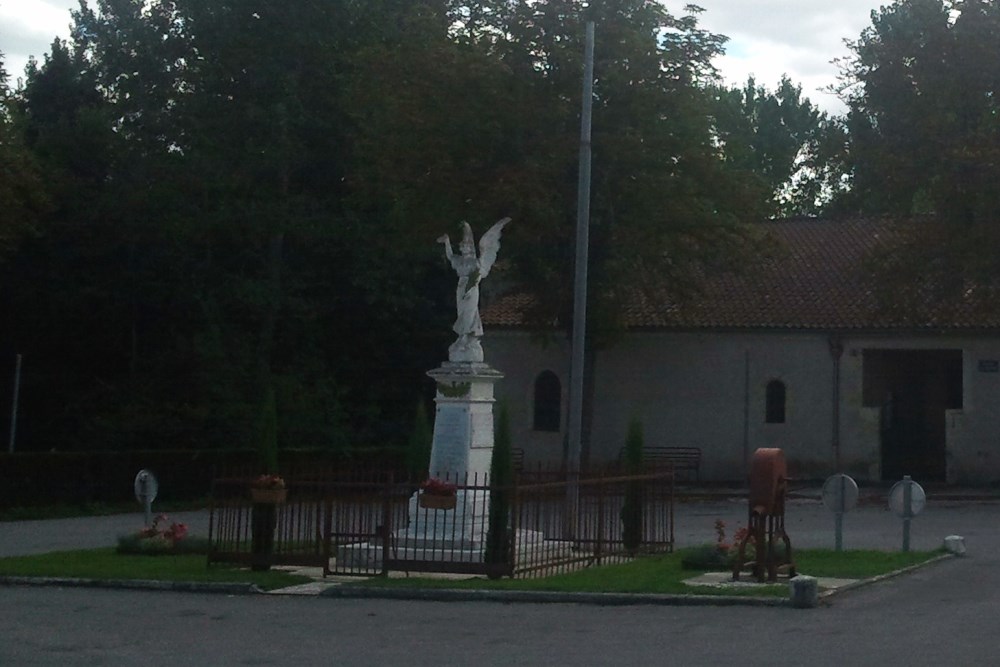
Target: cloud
{"points": [[800, 38], [27, 28], [768, 38]]}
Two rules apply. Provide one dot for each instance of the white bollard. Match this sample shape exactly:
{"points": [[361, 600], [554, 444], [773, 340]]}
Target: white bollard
{"points": [[804, 591], [955, 544]]}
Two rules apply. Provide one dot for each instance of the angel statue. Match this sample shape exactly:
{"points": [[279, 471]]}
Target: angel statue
{"points": [[471, 270]]}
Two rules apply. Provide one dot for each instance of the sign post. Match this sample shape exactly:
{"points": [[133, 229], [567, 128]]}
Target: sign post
{"points": [[145, 487], [907, 500], [840, 495]]}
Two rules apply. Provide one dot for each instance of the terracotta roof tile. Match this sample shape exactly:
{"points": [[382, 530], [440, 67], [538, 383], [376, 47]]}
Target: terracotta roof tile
{"points": [[818, 277]]}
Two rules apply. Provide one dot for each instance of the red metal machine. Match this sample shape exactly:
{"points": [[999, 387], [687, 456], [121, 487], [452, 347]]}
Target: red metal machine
{"points": [[766, 522]]}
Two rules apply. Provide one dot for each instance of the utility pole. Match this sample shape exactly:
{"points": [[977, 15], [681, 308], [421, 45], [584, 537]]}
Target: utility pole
{"points": [[13, 407], [580, 292]]}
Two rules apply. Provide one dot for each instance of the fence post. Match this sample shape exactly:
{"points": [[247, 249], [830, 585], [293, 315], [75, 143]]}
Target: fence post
{"points": [[671, 510], [602, 490], [515, 509], [386, 524], [326, 502], [211, 521]]}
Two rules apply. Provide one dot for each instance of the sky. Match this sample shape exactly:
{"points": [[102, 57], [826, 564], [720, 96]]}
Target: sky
{"points": [[768, 38]]}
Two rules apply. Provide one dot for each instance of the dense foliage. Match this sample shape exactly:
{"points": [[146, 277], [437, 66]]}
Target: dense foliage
{"points": [[218, 215], [923, 86], [233, 237]]}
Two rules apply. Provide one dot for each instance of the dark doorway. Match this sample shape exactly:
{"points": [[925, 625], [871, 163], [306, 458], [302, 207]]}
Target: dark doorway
{"points": [[913, 388]]}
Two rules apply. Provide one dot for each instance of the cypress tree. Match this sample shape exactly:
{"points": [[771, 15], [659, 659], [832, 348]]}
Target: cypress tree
{"points": [[501, 490], [418, 450], [632, 509]]}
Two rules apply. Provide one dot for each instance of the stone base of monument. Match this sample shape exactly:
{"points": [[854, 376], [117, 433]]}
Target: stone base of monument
{"points": [[530, 546], [440, 536]]}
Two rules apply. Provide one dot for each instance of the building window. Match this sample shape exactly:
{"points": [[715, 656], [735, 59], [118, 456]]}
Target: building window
{"points": [[774, 410], [548, 399]]}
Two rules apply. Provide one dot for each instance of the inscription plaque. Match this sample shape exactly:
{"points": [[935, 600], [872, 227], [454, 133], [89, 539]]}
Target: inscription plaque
{"points": [[452, 428]]}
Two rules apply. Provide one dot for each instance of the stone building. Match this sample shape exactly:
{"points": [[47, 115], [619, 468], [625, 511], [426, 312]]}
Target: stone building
{"points": [[813, 350]]}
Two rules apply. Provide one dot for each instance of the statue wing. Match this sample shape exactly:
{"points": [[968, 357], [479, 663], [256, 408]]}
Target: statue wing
{"points": [[489, 246]]}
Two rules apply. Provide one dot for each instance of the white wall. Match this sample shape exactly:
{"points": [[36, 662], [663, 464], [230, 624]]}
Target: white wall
{"points": [[690, 389], [708, 391], [520, 357]]}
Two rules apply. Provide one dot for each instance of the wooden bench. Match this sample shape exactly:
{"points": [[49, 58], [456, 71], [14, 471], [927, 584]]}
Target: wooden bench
{"points": [[680, 459]]}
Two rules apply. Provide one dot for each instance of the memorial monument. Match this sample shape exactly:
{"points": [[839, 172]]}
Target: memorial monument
{"points": [[462, 443]]}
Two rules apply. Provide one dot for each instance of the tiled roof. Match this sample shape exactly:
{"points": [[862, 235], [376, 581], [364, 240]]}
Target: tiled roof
{"points": [[818, 277]]}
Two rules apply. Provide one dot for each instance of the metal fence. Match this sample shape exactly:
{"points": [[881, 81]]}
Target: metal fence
{"points": [[368, 524]]}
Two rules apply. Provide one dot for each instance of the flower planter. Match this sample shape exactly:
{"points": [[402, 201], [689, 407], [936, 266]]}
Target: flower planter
{"points": [[433, 502], [270, 496]]}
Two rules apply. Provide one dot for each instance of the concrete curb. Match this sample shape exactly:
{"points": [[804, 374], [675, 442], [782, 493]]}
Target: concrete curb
{"points": [[600, 599], [860, 583], [460, 595], [136, 584]]}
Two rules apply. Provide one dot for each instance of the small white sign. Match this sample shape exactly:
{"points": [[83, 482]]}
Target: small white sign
{"points": [[145, 487], [840, 493], [897, 498]]}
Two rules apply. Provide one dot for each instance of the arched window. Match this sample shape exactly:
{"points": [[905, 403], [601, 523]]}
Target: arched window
{"points": [[774, 409], [548, 399]]}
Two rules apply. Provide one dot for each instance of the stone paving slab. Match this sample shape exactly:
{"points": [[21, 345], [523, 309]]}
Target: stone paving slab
{"points": [[725, 580]]}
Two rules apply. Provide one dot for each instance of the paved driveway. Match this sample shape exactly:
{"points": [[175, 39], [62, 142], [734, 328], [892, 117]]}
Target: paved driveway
{"points": [[19, 538], [809, 524]]}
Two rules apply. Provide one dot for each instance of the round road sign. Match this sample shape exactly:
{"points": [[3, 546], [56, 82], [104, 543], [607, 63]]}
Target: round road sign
{"points": [[145, 486], [897, 498], [840, 493]]}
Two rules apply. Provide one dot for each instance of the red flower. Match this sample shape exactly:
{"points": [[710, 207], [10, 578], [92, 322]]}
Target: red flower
{"points": [[177, 532], [437, 487]]}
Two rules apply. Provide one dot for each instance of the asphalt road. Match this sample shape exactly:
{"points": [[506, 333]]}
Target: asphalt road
{"points": [[18, 538], [942, 615]]}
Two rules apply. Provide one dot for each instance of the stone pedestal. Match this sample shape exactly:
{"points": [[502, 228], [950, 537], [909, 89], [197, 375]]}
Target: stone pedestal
{"points": [[463, 421], [461, 452]]}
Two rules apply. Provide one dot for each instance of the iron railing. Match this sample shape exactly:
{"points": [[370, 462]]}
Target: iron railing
{"points": [[372, 523]]}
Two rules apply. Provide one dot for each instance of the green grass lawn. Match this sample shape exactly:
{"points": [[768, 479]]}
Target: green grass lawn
{"points": [[653, 574], [664, 574], [106, 564]]}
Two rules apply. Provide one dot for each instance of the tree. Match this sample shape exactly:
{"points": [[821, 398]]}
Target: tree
{"points": [[482, 121], [498, 537], [487, 125], [782, 139], [923, 83], [418, 451], [922, 91], [245, 197], [631, 514], [23, 199]]}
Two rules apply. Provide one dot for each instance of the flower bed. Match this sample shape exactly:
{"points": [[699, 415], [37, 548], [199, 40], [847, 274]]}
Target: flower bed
{"points": [[162, 537]]}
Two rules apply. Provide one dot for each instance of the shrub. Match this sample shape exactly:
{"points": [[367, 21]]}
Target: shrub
{"points": [[501, 480], [162, 538], [418, 451], [631, 514]]}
